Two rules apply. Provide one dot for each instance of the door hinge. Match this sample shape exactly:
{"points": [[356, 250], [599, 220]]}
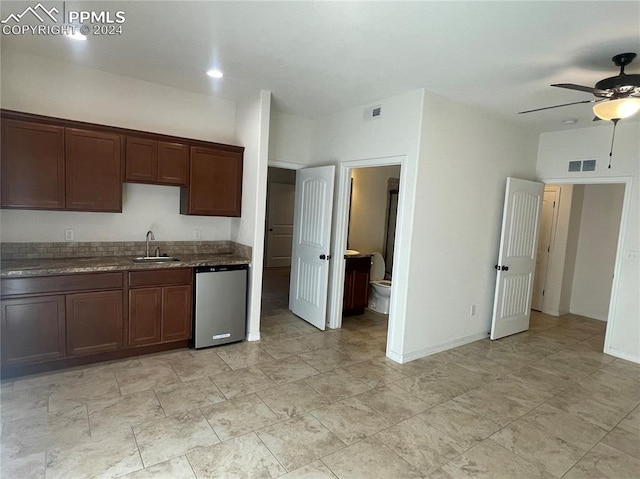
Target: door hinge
{"points": [[543, 292], [548, 248], [554, 204]]}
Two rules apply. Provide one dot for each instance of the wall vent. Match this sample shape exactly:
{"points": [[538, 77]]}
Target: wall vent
{"points": [[589, 165], [575, 165], [372, 113]]}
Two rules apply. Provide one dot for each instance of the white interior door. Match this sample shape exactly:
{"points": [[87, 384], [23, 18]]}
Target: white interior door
{"points": [[280, 224], [547, 225], [311, 238], [517, 257]]}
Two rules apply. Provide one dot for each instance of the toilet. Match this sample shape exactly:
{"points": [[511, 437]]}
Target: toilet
{"points": [[380, 289]]}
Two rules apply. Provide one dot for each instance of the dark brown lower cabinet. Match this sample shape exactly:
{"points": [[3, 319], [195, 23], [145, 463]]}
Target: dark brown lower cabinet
{"points": [[145, 316], [356, 285], [48, 322], [161, 313], [94, 322], [33, 329], [176, 312]]}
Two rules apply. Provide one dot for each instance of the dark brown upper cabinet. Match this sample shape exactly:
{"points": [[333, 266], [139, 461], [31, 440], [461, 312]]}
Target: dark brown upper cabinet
{"points": [[93, 170], [32, 165], [215, 183], [156, 162], [56, 164]]}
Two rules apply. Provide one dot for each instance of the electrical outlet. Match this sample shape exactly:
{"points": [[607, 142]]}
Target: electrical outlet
{"points": [[68, 234], [472, 310], [197, 234]]}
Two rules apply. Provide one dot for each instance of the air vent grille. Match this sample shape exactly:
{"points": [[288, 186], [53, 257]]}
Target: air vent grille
{"points": [[575, 165], [372, 113]]}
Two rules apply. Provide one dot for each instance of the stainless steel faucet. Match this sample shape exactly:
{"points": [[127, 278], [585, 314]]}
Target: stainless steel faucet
{"points": [[149, 238]]}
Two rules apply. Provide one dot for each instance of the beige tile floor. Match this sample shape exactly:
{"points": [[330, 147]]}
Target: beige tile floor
{"points": [[307, 404]]}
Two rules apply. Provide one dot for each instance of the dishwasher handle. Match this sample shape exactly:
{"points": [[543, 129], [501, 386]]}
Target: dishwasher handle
{"points": [[220, 267]]}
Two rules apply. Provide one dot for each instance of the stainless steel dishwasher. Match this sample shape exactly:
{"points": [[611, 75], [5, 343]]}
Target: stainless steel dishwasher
{"points": [[220, 305]]}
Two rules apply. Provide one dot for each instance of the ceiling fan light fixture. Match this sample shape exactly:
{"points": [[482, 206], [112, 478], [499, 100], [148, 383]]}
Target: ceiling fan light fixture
{"points": [[617, 109]]}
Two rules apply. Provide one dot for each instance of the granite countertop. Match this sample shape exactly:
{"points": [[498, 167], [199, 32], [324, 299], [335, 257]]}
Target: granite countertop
{"points": [[43, 267]]}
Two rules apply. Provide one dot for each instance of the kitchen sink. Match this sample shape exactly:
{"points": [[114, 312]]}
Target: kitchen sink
{"points": [[154, 259]]}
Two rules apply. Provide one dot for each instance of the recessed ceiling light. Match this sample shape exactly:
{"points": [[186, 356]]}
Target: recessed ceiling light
{"points": [[76, 35], [215, 73]]}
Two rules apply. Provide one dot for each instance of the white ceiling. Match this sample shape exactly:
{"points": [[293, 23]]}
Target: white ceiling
{"points": [[321, 57]]}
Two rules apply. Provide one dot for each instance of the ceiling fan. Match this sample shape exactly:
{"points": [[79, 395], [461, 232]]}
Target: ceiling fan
{"points": [[616, 97]]}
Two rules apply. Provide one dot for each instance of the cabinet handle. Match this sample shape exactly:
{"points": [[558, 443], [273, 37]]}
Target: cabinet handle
{"points": [[323, 256], [505, 268]]}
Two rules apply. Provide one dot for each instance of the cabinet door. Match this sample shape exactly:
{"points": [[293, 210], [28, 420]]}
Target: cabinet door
{"points": [[32, 165], [93, 171], [32, 329], [173, 163], [141, 160], [145, 316], [176, 312], [347, 302], [360, 289], [215, 183], [94, 322]]}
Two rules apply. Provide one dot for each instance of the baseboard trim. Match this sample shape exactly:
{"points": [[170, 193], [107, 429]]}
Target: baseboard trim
{"points": [[589, 315], [405, 358], [621, 355], [253, 336]]}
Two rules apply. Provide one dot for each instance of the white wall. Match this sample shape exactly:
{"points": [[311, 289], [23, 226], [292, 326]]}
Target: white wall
{"points": [[252, 131], [48, 87], [289, 138], [596, 251], [144, 207], [571, 248], [555, 149], [367, 229], [465, 157]]}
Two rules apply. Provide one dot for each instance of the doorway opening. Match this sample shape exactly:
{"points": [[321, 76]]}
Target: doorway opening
{"points": [[587, 255], [371, 241], [577, 247], [281, 183], [399, 284]]}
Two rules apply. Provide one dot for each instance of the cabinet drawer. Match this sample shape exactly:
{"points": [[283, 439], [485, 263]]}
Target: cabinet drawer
{"points": [[64, 283], [138, 279]]}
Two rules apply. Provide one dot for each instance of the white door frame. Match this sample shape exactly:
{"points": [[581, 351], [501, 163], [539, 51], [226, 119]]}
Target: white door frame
{"points": [[399, 284], [624, 217]]}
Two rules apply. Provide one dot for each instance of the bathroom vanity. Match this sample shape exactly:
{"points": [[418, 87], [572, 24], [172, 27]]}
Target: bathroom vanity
{"points": [[356, 284]]}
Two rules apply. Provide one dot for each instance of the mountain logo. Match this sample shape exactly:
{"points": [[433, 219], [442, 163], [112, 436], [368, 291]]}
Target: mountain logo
{"points": [[34, 11]]}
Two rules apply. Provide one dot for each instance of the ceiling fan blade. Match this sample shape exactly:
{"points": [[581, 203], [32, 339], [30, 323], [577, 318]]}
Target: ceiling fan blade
{"points": [[588, 89], [558, 106]]}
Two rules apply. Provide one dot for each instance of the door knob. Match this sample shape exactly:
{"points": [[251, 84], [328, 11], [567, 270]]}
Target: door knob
{"points": [[270, 229], [323, 256], [505, 268], [497, 267]]}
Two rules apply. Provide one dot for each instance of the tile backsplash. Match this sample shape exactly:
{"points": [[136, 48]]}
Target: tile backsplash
{"points": [[118, 248]]}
